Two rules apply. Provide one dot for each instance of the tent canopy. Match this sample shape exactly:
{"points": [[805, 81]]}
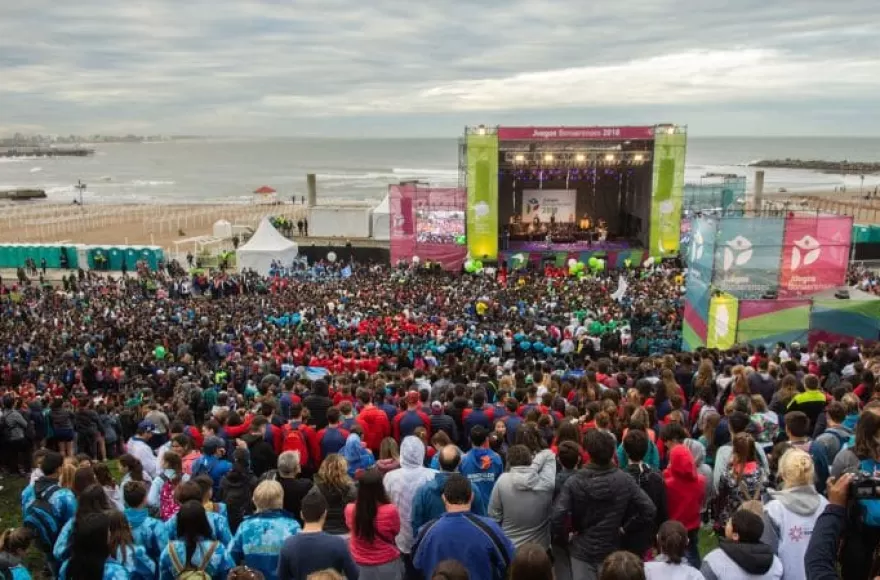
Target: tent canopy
{"points": [[381, 219], [264, 247], [265, 189]]}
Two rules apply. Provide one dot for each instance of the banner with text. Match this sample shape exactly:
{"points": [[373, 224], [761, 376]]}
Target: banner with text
{"points": [[546, 203], [400, 209], [815, 254], [747, 256], [723, 315], [482, 196], [573, 133], [666, 194]]}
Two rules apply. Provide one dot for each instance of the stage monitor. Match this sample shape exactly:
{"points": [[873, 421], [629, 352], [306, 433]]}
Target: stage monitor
{"points": [[439, 226], [543, 204]]}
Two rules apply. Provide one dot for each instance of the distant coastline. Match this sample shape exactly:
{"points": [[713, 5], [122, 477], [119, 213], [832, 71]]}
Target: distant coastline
{"points": [[841, 167]]}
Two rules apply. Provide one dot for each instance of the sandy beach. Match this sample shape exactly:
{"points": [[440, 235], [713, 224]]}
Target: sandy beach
{"points": [[160, 225]]}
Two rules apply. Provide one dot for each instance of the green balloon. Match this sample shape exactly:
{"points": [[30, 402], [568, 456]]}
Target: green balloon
{"points": [[573, 269], [592, 261], [461, 240], [600, 266], [628, 263], [581, 266], [581, 274]]}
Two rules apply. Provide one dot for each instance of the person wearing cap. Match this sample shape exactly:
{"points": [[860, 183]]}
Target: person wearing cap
{"points": [[212, 462], [407, 422], [440, 421], [139, 447], [481, 465]]}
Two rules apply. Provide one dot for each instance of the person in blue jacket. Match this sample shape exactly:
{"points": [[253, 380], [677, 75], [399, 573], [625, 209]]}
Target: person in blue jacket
{"points": [[92, 500], [14, 544], [358, 457], [476, 542], [195, 548], [125, 552], [428, 500], [481, 465], [146, 531], [217, 521], [212, 462], [260, 537], [90, 557], [61, 499]]}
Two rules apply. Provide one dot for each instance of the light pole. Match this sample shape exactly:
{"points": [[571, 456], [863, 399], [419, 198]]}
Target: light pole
{"points": [[81, 187]]}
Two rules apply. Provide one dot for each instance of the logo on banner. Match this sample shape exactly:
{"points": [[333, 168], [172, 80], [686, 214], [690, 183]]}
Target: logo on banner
{"points": [[738, 252], [481, 209], [805, 252], [697, 246], [533, 205], [722, 322]]}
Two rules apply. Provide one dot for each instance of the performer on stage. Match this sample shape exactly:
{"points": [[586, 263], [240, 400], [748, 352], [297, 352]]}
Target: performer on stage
{"points": [[585, 222]]}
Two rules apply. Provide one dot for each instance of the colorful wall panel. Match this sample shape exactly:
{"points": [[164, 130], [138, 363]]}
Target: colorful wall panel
{"points": [[667, 193], [815, 254], [482, 196], [766, 322], [747, 255]]}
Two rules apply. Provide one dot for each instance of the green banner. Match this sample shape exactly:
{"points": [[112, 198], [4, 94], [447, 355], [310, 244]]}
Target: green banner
{"points": [[667, 193], [482, 197]]}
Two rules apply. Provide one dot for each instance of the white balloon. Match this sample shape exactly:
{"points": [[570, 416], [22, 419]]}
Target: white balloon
{"points": [[331, 256], [572, 262], [416, 259]]}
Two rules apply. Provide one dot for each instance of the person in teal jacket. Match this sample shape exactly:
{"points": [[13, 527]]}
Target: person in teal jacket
{"points": [[92, 500], [90, 553], [146, 531], [123, 550], [217, 521], [481, 465], [14, 544], [428, 501], [61, 499], [258, 541], [196, 548]]}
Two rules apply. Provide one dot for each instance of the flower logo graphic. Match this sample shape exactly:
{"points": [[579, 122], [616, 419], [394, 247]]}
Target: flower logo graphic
{"points": [[697, 246], [722, 321], [805, 252], [738, 252], [533, 205], [666, 207], [481, 209]]}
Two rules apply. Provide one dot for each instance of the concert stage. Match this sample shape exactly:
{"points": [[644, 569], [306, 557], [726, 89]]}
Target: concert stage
{"points": [[554, 191]]}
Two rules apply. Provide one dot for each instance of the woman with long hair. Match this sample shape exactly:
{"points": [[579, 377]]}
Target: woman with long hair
{"points": [[194, 491], [389, 456], [14, 544], [530, 562], [195, 548], [113, 491], [374, 523], [791, 515], [90, 551], [705, 377], [710, 423], [742, 481], [132, 470], [125, 552], [92, 500], [333, 482], [672, 541]]}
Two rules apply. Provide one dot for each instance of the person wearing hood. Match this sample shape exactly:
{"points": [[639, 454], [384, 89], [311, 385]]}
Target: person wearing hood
{"points": [[260, 537], [428, 503], [401, 486], [481, 465], [789, 518], [358, 457], [146, 531], [212, 462], [685, 493], [742, 556], [522, 498]]}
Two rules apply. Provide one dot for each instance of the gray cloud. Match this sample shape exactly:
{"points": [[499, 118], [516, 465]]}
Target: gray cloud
{"points": [[344, 67]]}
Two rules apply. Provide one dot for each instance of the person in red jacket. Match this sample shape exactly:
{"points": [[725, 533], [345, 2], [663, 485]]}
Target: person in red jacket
{"points": [[374, 422], [407, 422], [685, 493]]}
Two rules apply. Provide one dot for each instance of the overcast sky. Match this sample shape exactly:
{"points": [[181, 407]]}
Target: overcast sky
{"points": [[402, 67]]}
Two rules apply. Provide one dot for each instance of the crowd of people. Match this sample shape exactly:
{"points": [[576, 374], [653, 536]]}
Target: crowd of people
{"points": [[408, 423]]}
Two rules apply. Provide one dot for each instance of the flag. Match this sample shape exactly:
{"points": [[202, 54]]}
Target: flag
{"points": [[346, 272], [315, 373], [621, 289]]}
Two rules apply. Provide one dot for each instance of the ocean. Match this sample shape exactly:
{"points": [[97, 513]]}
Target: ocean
{"points": [[228, 169]]}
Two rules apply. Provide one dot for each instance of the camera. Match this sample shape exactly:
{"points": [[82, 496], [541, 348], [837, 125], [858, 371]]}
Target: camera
{"points": [[865, 486]]}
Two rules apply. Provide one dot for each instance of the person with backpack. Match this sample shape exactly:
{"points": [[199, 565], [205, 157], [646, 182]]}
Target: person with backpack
{"points": [[162, 488], [90, 557], [14, 544], [836, 435], [300, 437], [217, 522], [147, 531], [258, 540], [237, 488], [797, 428], [195, 555], [46, 506], [212, 463]]}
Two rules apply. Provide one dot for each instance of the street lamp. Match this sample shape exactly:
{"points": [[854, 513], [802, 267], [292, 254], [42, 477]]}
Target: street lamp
{"points": [[81, 187]]}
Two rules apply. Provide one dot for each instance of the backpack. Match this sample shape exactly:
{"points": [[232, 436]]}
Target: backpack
{"points": [[39, 517], [295, 440], [869, 507], [187, 572], [168, 506]]}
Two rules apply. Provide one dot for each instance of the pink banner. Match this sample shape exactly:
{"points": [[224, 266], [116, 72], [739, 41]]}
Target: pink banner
{"points": [[428, 222], [573, 133], [815, 253]]}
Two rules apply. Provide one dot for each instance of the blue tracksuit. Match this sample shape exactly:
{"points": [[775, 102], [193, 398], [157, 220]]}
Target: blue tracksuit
{"points": [[478, 543], [259, 539], [331, 440], [213, 466], [219, 525], [482, 467], [428, 503], [217, 569], [146, 531]]}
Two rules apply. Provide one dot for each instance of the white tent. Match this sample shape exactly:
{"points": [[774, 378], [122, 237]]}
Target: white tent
{"points": [[265, 246], [382, 220], [222, 229]]}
